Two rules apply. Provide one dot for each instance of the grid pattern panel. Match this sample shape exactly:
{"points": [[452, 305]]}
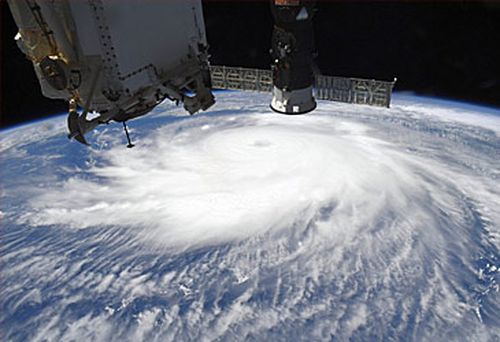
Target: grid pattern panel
{"points": [[241, 78]]}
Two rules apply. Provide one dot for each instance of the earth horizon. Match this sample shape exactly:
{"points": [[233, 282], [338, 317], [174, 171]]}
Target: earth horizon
{"points": [[348, 223]]}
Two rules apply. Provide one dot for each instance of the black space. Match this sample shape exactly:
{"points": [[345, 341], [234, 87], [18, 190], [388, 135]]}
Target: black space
{"points": [[446, 49]]}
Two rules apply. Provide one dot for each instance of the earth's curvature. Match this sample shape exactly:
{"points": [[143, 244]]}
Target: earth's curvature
{"points": [[349, 223]]}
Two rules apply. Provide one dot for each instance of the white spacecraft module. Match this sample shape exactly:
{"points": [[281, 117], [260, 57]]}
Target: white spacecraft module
{"points": [[118, 58]]}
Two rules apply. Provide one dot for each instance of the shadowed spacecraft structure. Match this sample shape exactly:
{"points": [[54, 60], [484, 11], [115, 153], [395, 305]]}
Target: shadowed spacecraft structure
{"points": [[88, 53]]}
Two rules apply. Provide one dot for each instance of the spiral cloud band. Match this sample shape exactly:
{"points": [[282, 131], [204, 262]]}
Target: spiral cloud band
{"points": [[350, 222]]}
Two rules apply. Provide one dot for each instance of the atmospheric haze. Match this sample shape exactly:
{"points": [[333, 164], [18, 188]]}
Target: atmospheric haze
{"points": [[351, 222]]}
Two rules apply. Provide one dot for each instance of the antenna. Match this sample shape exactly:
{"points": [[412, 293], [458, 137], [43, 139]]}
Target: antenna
{"points": [[130, 145]]}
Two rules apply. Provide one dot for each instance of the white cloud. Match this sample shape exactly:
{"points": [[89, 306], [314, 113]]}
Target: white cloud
{"points": [[187, 186], [346, 222]]}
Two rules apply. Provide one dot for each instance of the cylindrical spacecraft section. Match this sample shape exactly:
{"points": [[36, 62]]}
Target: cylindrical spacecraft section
{"points": [[292, 48]]}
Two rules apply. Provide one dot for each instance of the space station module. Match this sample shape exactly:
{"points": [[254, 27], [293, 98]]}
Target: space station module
{"points": [[117, 58]]}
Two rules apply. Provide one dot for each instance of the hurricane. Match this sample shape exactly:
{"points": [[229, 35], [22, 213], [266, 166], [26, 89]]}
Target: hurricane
{"points": [[349, 223]]}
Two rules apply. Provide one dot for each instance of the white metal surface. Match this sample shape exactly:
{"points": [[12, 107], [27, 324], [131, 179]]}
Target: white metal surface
{"points": [[297, 101], [135, 52]]}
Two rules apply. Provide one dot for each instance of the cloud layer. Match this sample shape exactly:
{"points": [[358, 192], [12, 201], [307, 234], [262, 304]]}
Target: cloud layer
{"points": [[350, 222], [227, 178]]}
